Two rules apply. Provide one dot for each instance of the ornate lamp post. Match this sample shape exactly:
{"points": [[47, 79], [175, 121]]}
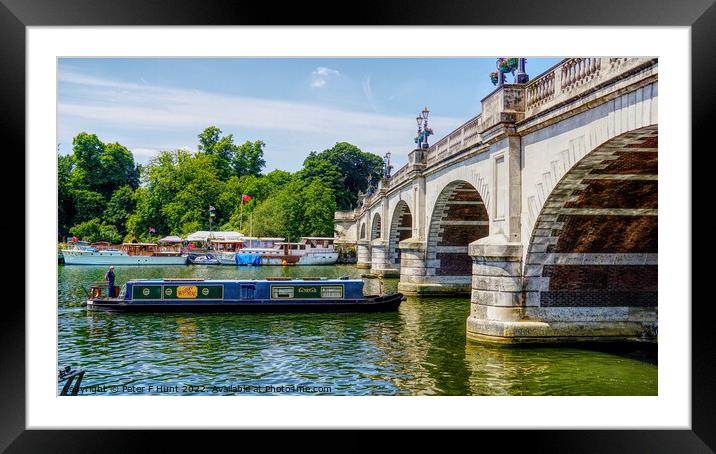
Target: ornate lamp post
{"points": [[387, 165], [419, 137], [423, 130]]}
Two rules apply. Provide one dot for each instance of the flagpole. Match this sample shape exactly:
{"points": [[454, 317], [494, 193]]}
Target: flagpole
{"points": [[241, 213], [251, 224]]}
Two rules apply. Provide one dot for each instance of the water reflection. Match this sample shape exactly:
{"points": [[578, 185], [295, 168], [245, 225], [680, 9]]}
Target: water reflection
{"points": [[419, 350]]}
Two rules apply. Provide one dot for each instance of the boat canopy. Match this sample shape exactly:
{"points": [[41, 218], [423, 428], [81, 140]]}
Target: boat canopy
{"points": [[204, 235], [171, 239]]}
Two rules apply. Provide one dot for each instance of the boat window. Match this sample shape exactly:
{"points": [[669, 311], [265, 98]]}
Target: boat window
{"points": [[332, 291], [281, 292]]}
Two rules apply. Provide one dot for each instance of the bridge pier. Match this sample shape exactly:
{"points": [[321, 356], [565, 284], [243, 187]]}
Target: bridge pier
{"points": [[414, 273], [380, 263], [363, 254], [501, 313]]}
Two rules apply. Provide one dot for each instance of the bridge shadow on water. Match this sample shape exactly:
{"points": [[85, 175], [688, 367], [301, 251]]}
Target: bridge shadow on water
{"points": [[453, 365]]}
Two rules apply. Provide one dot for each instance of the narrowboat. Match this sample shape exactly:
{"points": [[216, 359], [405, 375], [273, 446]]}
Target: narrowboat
{"points": [[266, 295]]}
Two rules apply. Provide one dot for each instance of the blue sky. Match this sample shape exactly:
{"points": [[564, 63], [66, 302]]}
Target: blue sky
{"points": [[295, 105]]}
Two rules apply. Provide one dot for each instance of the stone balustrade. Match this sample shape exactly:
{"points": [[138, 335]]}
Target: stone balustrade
{"points": [[573, 77]]}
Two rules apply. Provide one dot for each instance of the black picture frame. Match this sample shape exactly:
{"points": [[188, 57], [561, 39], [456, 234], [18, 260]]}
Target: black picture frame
{"points": [[16, 15]]}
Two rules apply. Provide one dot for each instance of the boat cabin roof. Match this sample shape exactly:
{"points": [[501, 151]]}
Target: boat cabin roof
{"points": [[287, 280]]}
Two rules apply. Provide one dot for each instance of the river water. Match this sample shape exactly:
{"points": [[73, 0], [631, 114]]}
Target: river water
{"points": [[419, 350]]}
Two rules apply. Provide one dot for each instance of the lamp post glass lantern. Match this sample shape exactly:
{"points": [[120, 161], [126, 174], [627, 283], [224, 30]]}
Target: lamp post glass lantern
{"points": [[423, 130]]}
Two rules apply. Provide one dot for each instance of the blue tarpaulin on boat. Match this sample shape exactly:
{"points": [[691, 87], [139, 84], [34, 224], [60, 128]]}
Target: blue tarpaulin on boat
{"points": [[248, 259]]}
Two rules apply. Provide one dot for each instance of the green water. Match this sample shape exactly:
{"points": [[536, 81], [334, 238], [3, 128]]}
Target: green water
{"points": [[419, 350]]}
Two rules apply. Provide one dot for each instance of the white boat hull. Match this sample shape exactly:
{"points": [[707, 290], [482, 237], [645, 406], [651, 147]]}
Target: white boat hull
{"points": [[323, 258], [226, 259], [118, 258]]}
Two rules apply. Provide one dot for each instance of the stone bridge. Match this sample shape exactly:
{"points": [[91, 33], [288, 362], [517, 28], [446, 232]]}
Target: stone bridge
{"points": [[543, 208]]}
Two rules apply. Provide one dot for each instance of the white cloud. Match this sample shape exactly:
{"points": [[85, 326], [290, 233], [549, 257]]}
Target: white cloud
{"points": [[151, 112], [144, 154], [368, 92], [320, 76]]}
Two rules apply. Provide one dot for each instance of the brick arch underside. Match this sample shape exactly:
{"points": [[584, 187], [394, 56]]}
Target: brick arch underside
{"points": [[459, 218], [595, 241], [401, 228], [375, 227]]}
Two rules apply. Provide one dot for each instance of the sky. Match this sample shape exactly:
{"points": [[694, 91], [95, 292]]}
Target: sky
{"points": [[294, 105]]}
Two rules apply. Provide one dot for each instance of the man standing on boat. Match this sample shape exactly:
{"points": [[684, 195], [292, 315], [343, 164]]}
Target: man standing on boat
{"points": [[109, 277]]}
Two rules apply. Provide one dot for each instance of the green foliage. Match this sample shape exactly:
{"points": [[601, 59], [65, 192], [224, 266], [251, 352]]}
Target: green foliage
{"points": [[104, 195], [249, 158], [95, 230], [65, 202], [230, 159], [299, 209], [358, 171], [120, 205], [87, 205], [102, 167]]}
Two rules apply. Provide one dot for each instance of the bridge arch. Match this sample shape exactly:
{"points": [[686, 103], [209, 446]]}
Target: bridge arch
{"points": [[376, 227], [401, 228], [459, 217], [362, 231], [594, 243]]}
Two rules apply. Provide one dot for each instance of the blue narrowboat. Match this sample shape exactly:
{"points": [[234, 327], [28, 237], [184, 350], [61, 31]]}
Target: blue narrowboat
{"points": [[266, 295]]}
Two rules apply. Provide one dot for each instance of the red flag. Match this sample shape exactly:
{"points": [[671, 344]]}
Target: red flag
{"points": [[245, 197]]}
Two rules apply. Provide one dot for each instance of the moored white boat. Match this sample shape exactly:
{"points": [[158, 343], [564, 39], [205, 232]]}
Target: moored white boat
{"points": [[309, 251], [128, 254]]}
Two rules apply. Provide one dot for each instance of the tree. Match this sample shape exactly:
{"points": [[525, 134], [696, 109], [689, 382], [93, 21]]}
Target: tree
{"points": [[249, 158], [319, 207], [102, 167], [88, 205], [119, 208], [87, 152], [208, 139], [222, 148], [65, 202], [359, 170], [268, 219], [95, 230], [330, 176]]}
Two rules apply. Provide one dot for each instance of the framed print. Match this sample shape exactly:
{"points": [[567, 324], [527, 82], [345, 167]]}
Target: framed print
{"points": [[404, 218]]}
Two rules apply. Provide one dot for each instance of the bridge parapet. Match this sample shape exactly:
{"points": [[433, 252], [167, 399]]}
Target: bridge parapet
{"points": [[573, 77], [401, 175], [345, 215], [465, 136]]}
